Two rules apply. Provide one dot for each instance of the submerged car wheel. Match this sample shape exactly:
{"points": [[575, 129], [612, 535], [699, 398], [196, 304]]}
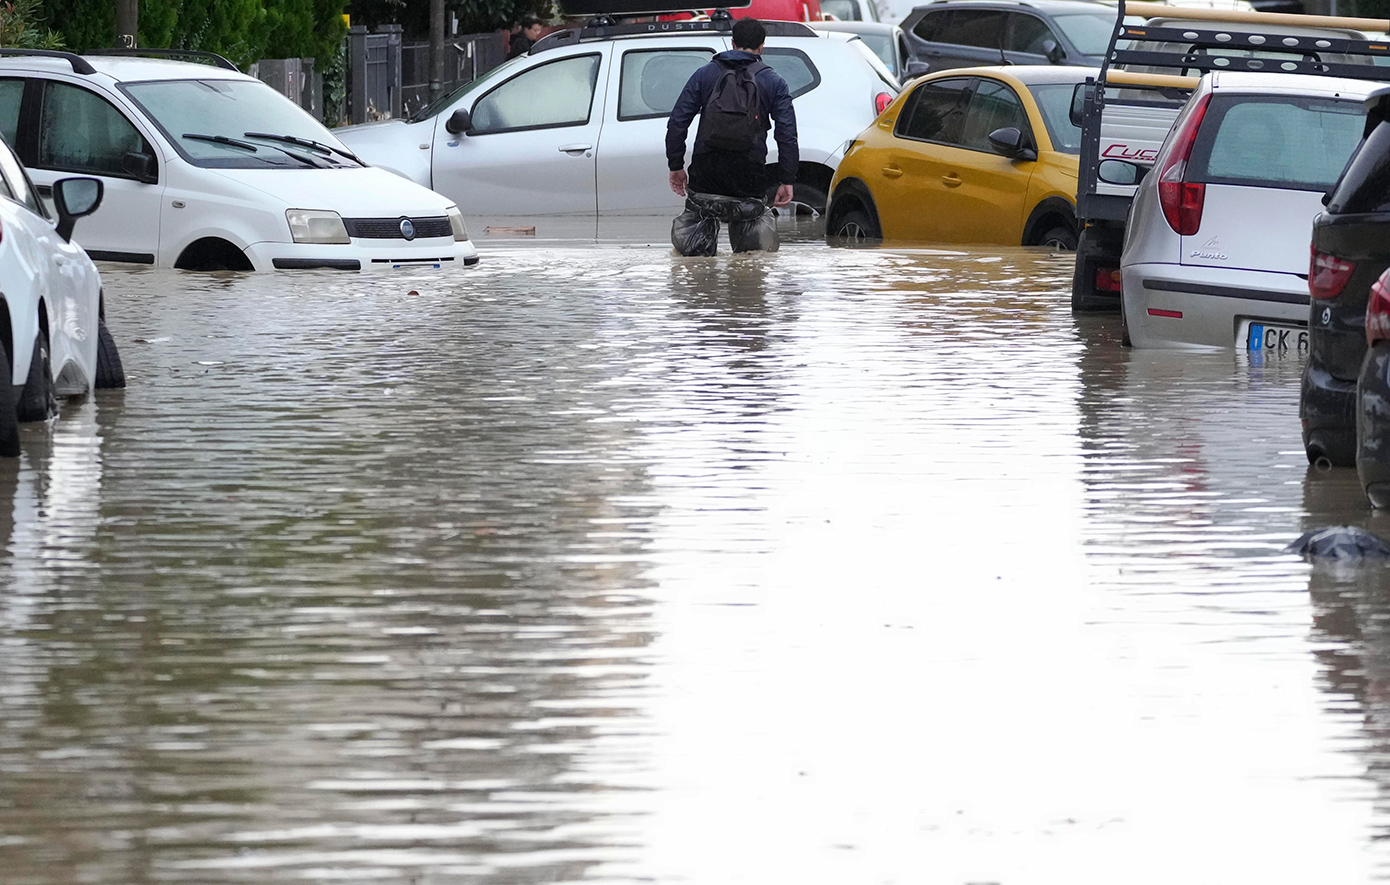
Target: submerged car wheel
{"points": [[36, 402], [855, 226], [9, 421], [1062, 239], [110, 372]]}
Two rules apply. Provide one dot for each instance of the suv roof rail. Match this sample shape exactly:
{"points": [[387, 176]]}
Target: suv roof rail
{"points": [[597, 30], [213, 57], [79, 64]]}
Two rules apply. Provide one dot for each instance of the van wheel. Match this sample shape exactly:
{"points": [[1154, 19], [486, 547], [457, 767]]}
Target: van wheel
{"points": [[855, 226], [110, 372], [1062, 239], [36, 402]]}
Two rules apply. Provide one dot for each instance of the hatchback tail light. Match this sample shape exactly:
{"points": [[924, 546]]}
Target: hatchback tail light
{"points": [[881, 101], [1182, 200], [1328, 274], [1378, 310]]}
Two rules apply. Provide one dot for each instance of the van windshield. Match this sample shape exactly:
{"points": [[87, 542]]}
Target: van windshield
{"points": [[1283, 141]]}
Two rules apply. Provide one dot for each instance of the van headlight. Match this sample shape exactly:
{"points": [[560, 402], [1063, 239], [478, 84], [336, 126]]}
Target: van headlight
{"points": [[456, 223], [317, 226]]}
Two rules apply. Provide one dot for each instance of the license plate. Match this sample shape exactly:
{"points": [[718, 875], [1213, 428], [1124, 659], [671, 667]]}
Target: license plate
{"points": [[1273, 337]]}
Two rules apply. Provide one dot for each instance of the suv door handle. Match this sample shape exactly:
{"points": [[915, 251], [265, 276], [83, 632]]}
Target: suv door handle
{"points": [[891, 171], [576, 148], [951, 179]]}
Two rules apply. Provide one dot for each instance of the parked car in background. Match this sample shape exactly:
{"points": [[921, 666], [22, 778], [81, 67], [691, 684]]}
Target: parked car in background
{"points": [[578, 126], [850, 10], [1350, 251], [977, 155], [887, 41], [205, 168], [1214, 251], [964, 33], [54, 333]]}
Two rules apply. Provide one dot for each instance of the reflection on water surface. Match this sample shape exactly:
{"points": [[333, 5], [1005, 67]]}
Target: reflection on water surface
{"points": [[598, 564]]}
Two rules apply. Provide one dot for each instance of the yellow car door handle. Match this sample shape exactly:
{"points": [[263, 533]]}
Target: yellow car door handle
{"points": [[951, 179], [891, 171]]}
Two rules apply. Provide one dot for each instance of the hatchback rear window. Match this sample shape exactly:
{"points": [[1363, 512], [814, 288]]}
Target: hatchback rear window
{"points": [[1291, 142]]}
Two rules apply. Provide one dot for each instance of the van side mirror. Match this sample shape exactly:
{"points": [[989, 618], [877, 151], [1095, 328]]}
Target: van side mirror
{"points": [[915, 68], [1010, 142], [1054, 52], [460, 122], [141, 166], [75, 198], [1119, 172]]}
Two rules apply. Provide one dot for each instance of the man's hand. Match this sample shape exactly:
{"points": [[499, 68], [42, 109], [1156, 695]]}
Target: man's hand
{"points": [[784, 195], [678, 182]]}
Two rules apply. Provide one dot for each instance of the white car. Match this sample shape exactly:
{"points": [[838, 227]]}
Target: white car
{"points": [[54, 334], [206, 168], [1216, 248], [885, 40], [578, 126]]}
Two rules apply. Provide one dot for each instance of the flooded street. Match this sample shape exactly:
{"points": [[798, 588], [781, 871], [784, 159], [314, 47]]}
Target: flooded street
{"points": [[595, 564]]}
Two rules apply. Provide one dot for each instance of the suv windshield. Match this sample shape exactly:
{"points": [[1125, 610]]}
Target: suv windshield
{"points": [[1088, 32], [1284, 141], [445, 101], [221, 113]]}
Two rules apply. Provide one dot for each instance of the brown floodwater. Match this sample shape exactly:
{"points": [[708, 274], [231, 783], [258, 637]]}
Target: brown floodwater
{"points": [[595, 564]]}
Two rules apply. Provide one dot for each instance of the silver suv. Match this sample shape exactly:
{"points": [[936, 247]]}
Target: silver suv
{"points": [[578, 125], [1216, 249]]}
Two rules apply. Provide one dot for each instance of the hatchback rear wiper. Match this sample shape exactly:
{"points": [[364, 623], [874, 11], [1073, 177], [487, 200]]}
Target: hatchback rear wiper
{"points": [[220, 139], [306, 142]]}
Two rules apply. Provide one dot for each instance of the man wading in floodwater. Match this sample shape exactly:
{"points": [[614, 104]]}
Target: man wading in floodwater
{"points": [[737, 97]]}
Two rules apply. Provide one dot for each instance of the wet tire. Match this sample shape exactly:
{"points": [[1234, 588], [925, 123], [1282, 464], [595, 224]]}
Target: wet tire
{"points": [[1062, 239], [9, 421], [36, 401], [110, 372], [855, 226]]}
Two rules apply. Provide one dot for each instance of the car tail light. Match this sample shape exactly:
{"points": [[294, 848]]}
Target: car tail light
{"points": [[881, 101], [1328, 274], [1378, 310], [1107, 279], [1182, 200]]}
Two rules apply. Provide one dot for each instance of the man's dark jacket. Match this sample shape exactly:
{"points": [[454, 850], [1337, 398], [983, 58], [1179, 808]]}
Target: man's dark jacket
{"points": [[733, 174]]}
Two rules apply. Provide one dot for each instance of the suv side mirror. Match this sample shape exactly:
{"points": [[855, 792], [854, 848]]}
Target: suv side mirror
{"points": [[75, 198], [915, 68], [1054, 52], [459, 122], [142, 166], [1010, 142]]}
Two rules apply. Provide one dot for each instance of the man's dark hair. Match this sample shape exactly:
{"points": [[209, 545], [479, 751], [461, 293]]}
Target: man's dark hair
{"points": [[528, 21], [749, 33]]}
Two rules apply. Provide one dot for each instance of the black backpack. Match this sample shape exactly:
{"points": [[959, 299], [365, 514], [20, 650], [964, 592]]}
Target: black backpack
{"points": [[732, 117]]}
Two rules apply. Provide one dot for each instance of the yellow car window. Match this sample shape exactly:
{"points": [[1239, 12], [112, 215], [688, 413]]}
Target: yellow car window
{"points": [[992, 106], [935, 111]]}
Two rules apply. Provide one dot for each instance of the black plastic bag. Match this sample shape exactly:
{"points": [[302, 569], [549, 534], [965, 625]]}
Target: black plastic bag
{"points": [[695, 232]]}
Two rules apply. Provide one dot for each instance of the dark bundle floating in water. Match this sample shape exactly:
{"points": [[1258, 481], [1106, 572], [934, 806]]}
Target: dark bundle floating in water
{"points": [[1340, 542]]}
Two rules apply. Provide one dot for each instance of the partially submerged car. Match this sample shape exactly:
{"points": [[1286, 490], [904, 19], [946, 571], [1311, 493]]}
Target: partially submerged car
{"points": [[52, 326], [974, 155], [578, 126], [205, 168], [1216, 244]]}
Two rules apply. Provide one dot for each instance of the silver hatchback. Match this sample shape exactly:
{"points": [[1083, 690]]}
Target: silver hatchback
{"points": [[1216, 249]]}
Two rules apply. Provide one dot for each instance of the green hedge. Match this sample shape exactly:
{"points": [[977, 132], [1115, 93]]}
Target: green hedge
{"points": [[242, 30]]}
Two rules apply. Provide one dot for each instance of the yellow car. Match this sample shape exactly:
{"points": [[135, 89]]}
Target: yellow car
{"points": [[971, 155]]}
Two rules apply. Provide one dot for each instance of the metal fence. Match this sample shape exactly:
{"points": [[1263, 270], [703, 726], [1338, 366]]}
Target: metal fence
{"points": [[386, 77], [465, 58]]}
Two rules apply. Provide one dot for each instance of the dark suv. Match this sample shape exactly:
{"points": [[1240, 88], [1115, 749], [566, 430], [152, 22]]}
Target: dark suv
{"points": [[965, 33], [1350, 250]]}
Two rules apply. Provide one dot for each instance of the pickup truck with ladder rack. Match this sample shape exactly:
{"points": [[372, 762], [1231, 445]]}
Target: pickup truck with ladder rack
{"points": [[1126, 111]]}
